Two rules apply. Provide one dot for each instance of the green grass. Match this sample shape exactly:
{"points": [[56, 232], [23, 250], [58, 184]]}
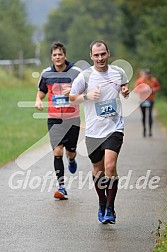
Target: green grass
{"points": [[161, 245], [161, 106], [18, 129]]}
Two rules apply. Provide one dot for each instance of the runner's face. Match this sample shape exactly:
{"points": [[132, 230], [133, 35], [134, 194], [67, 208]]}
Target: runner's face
{"points": [[148, 75], [58, 58], [100, 56]]}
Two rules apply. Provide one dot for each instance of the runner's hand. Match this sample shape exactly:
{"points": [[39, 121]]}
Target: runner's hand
{"points": [[125, 91], [66, 91], [39, 105], [93, 94]]}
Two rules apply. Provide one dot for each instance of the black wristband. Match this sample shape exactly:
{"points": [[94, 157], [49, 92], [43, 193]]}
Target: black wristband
{"points": [[85, 97]]}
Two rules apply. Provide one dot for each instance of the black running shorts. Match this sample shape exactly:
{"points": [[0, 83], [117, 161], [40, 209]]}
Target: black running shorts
{"points": [[96, 146], [64, 132]]}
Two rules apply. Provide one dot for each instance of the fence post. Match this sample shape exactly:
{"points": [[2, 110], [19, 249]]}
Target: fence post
{"points": [[21, 65]]}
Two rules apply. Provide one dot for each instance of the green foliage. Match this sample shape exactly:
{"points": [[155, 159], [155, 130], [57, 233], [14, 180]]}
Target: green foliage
{"points": [[161, 245], [81, 45], [60, 20], [16, 33], [152, 43], [138, 8], [78, 23], [161, 106], [128, 29], [134, 30]]}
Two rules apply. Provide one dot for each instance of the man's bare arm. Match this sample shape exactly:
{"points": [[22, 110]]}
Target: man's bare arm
{"points": [[76, 99], [39, 104], [91, 95]]}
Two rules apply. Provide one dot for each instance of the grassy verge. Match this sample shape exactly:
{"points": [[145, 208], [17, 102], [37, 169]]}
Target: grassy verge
{"points": [[161, 106], [161, 245], [19, 130]]}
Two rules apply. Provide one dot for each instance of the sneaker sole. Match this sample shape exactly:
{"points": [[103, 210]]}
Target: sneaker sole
{"points": [[103, 222], [108, 222], [59, 195]]}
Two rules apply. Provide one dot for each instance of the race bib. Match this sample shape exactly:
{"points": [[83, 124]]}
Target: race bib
{"points": [[146, 103], [106, 108], [60, 101]]}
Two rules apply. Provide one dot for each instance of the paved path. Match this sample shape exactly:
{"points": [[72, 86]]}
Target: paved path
{"points": [[31, 220]]}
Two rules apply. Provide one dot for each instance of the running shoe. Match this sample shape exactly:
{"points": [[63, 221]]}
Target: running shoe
{"points": [[72, 166], [109, 216], [101, 212], [61, 193]]}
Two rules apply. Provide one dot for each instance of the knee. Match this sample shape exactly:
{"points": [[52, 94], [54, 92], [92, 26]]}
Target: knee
{"points": [[110, 164], [58, 151], [110, 169]]}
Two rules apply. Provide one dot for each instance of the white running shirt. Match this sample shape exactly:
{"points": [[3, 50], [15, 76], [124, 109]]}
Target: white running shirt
{"points": [[103, 116]]}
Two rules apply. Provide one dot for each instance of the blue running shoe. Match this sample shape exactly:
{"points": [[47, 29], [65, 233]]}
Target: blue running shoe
{"points": [[72, 166], [101, 212], [109, 216], [61, 193]]}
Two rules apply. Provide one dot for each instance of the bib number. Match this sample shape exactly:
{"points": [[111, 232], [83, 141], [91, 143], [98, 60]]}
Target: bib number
{"points": [[106, 108], [60, 101], [146, 103]]}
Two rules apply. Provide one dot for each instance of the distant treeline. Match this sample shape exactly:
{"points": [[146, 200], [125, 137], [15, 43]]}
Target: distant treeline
{"points": [[134, 30]]}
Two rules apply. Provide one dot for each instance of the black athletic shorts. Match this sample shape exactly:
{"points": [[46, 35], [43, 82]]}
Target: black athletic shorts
{"points": [[96, 146], [64, 132]]}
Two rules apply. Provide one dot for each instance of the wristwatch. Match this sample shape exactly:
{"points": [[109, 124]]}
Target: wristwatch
{"points": [[85, 97]]}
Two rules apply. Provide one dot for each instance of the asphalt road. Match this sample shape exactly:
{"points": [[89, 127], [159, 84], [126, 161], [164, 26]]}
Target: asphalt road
{"points": [[32, 220]]}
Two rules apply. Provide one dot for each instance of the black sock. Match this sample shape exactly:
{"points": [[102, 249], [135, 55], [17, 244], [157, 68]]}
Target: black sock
{"points": [[100, 186], [59, 169], [111, 191]]}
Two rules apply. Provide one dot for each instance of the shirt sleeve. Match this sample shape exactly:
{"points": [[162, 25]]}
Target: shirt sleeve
{"points": [[124, 78], [156, 85], [42, 85], [78, 85]]}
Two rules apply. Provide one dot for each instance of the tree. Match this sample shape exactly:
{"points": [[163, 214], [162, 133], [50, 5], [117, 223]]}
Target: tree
{"points": [[16, 33], [80, 39], [77, 23], [60, 20], [152, 43], [134, 30]]}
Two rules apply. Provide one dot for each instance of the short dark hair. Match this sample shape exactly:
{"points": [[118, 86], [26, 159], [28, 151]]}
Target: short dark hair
{"points": [[98, 43], [57, 45]]}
